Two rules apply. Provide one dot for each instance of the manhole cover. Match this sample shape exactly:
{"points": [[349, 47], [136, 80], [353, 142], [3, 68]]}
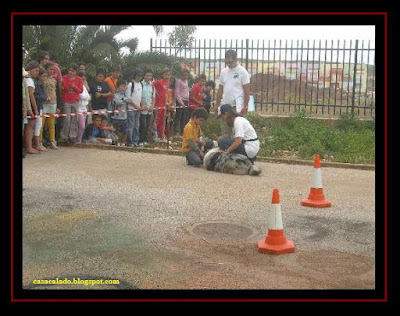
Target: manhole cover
{"points": [[222, 231]]}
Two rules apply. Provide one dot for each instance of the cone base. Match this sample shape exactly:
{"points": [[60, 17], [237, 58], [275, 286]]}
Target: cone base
{"points": [[287, 247], [316, 203]]}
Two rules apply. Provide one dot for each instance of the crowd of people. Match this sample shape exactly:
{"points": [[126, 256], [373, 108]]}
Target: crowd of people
{"points": [[64, 108]]}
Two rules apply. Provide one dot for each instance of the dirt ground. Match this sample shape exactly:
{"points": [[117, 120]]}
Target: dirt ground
{"points": [[152, 222]]}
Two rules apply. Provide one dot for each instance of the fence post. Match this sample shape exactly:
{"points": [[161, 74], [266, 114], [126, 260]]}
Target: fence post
{"points": [[354, 80], [151, 45], [247, 53]]}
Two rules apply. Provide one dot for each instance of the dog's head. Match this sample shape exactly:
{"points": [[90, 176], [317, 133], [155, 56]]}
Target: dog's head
{"points": [[210, 158]]}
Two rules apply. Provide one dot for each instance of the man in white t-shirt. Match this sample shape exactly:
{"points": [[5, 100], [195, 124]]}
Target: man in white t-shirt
{"points": [[245, 140], [233, 88], [234, 85]]}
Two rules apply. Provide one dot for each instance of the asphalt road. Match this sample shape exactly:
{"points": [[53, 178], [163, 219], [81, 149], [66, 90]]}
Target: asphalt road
{"points": [[153, 222]]}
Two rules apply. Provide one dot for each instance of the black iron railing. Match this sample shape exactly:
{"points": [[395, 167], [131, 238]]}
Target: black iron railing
{"points": [[323, 77]]}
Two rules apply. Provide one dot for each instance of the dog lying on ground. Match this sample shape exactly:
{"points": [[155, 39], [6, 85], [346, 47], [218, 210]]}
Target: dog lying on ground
{"points": [[233, 163]]}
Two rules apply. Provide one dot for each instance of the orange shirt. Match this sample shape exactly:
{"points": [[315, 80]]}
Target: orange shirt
{"points": [[191, 131], [113, 84], [170, 99]]}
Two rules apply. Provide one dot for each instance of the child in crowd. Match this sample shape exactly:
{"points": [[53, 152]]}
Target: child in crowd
{"points": [[161, 87], [194, 145], [209, 86], [181, 101], [112, 82], [196, 97], [170, 99], [26, 106], [33, 72], [99, 92], [40, 97], [107, 131], [82, 69], [134, 90], [147, 105], [50, 106], [118, 119], [93, 133], [72, 87], [84, 99]]}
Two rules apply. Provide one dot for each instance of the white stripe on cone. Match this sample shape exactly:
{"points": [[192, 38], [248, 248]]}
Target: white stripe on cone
{"points": [[275, 217], [316, 180]]}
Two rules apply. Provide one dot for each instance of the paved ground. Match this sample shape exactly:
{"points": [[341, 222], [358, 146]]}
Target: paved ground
{"points": [[154, 223]]}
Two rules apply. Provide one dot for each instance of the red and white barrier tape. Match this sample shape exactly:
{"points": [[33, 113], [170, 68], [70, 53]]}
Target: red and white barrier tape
{"points": [[108, 111]]}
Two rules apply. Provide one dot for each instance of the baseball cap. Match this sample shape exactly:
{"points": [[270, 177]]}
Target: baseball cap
{"points": [[224, 108]]}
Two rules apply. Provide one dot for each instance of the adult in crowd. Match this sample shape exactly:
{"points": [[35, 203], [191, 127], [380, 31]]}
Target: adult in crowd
{"points": [[245, 140], [233, 88]]}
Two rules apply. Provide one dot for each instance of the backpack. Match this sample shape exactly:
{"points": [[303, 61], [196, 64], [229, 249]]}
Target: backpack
{"points": [[133, 86]]}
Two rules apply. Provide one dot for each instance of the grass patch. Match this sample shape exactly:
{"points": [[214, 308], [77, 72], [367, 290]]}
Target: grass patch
{"points": [[349, 140]]}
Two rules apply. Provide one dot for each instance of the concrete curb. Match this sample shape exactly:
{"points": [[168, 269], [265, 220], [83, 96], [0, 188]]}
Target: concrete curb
{"points": [[264, 159], [323, 163]]}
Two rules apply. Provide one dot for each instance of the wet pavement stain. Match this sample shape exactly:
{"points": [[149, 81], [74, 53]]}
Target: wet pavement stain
{"points": [[55, 237], [319, 228], [336, 262]]}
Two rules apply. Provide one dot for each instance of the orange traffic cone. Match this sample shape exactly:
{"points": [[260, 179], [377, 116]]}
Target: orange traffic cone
{"points": [[275, 242], [316, 197]]}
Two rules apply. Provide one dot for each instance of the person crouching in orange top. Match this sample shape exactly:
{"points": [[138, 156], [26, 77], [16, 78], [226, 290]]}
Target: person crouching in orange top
{"points": [[194, 145]]}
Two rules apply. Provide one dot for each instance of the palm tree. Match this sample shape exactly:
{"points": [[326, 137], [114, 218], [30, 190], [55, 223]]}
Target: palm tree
{"points": [[95, 45], [154, 61], [56, 39]]}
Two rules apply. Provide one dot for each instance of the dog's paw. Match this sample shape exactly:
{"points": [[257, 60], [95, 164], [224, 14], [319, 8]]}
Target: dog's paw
{"points": [[255, 170]]}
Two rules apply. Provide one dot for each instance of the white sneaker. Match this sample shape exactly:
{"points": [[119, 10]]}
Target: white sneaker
{"points": [[53, 145], [141, 144], [145, 144]]}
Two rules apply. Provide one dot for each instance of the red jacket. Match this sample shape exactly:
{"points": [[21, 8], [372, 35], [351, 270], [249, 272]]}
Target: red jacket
{"points": [[71, 94], [197, 94]]}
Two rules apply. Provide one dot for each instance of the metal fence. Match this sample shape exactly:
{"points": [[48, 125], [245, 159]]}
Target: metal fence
{"points": [[326, 78]]}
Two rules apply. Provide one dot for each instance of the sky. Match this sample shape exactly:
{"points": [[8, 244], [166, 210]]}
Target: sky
{"points": [[261, 32]]}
